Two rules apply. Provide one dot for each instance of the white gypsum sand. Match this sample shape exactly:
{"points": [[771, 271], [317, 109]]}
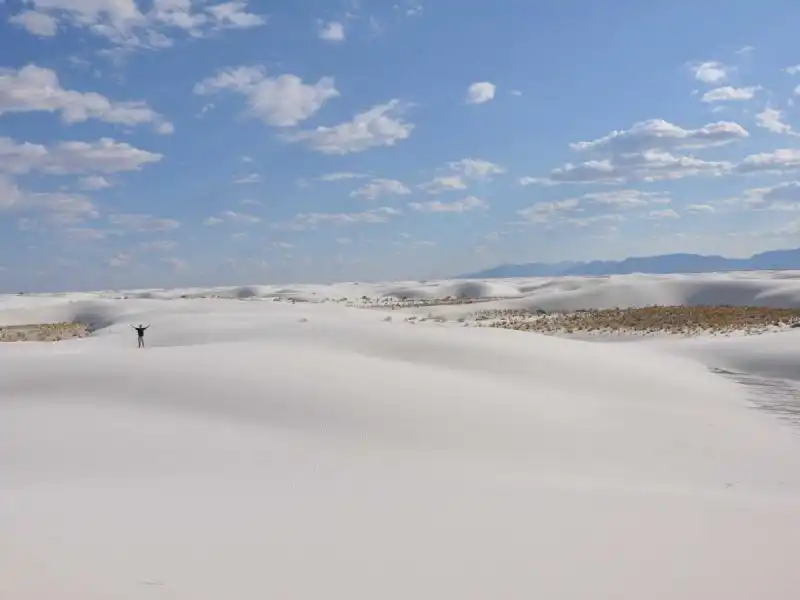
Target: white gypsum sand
{"points": [[260, 449]]}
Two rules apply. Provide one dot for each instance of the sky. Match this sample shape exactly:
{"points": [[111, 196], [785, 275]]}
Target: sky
{"points": [[162, 143]]}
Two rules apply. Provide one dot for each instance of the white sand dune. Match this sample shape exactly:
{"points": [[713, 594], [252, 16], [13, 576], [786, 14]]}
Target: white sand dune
{"points": [[262, 449]]}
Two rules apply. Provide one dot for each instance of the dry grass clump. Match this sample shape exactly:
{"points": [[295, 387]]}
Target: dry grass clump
{"points": [[653, 320], [42, 332]]}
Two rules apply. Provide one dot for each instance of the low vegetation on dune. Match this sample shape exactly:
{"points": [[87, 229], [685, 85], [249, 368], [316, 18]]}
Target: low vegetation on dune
{"points": [[42, 332], [648, 320]]}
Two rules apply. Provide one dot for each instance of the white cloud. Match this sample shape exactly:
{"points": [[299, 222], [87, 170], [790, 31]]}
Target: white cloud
{"points": [[527, 180], [240, 217], [699, 208], [234, 15], [312, 220], [57, 207], [332, 32], [413, 9], [645, 152], [245, 179], [616, 200], [662, 135], [101, 156], [710, 71], [476, 168], [588, 221], [37, 23], [650, 165], [445, 183], [94, 182], [777, 161], [230, 216], [772, 120], [784, 192], [627, 198], [378, 126], [666, 213], [157, 246], [381, 187], [480, 92], [122, 23], [542, 211], [793, 70], [282, 101], [342, 176], [730, 94], [459, 206], [85, 234], [343, 240], [466, 168], [143, 223], [34, 88], [784, 196]]}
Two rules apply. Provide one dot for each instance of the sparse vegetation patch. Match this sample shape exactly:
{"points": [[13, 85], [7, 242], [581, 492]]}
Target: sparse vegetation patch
{"points": [[649, 320], [42, 332]]}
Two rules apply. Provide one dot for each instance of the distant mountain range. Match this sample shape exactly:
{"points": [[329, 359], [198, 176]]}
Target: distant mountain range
{"points": [[773, 260]]}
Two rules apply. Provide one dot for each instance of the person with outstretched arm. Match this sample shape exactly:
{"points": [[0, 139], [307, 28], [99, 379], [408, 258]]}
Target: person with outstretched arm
{"points": [[140, 329]]}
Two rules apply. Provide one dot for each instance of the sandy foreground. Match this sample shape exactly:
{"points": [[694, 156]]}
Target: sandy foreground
{"points": [[262, 448]]}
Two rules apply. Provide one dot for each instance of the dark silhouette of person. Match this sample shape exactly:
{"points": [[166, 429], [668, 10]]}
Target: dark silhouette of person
{"points": [[140, 329]]}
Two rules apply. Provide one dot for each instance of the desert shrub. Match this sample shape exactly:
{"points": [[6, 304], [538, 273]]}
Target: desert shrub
{"points": [[680, 320]]}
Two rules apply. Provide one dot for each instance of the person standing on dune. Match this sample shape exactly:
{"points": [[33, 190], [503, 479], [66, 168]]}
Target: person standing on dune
{"points": [[140, 329]]}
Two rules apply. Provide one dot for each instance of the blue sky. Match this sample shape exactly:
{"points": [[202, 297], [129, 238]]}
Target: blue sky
{"points": [[191, 142]]}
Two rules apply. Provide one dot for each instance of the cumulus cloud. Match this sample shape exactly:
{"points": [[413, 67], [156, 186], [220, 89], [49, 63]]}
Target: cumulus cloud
{"points": [[282, 101], [476, 168], [373, 216], [699, 208], [246, 179], [34, 88], [230, 216], [730, 94], [710, 71], [381, 187], [646, 152], [444, 183], [381, 125], [607, 206], [37, 23], [771, 119], [626, 198], [541, 212], [332, 32], [658, 134], [143, 222], [777, 161], [650, 165], [56, 207], [461, 171], [468, 204], [342, 176], [666, 213], [124, 24], [480, 92], [101, 156], [94, 182]]}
